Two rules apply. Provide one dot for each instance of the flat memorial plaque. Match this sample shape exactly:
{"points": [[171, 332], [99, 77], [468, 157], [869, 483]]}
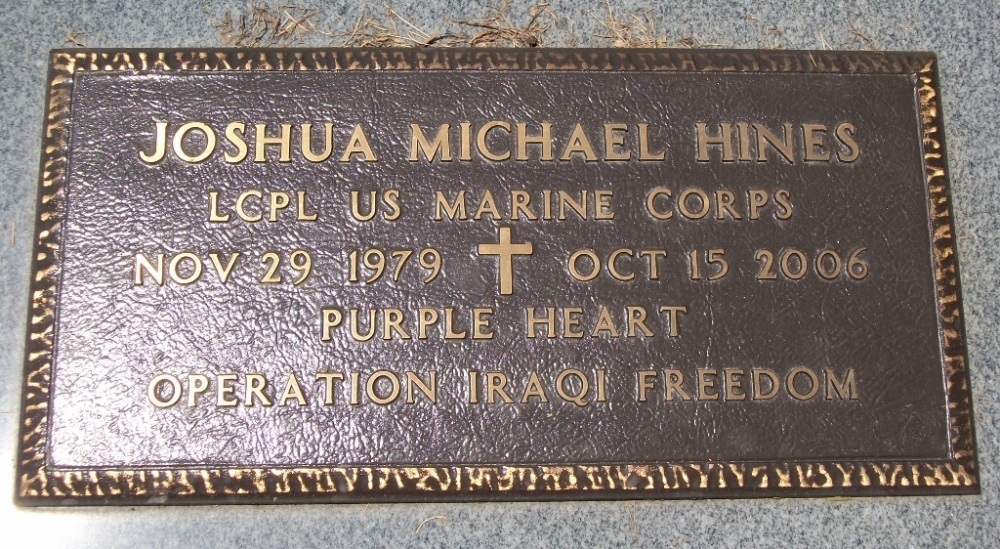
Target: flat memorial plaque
{"points": [[356, 275]]}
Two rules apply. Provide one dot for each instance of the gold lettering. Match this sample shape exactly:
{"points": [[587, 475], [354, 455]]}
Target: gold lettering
{"points": [[651, 203], [224, 392], [544, 139], [224, 272], [705, 384], [331, 319], [159, 145], [571, 322], [675, 328], [356, 206], [279, 201], [213, 209], [766, 139], [644, 152], [481, 323], [197, 384], [578, 143], [744, 140], [355, 388], [175, 272], [292, 390], [845, 134], [370, 387], [519, 203], [466, 141], [645, 383], [579, 398], [758, 384], [283, 140], [391, 199], [454, 210], [144, 265], [358, 144], [256, 383], [330, 379], [175, 394], [845, 389], [449, 323], [496, 383], [549, 320], [602, 205], [724, 207], [429, 389], [675, 378], [783, 200], [604, 323], [757, 198], [393, 322], [614, 141], [307, 150], [682, 203], [576, 273], [357, 335], [813, 137], [487, 205], [637, 319], [653, 261], [182, 133], [613, 265], [473, 387], [534, 389], [482, 135], [241, 210], [426, 318], [794, 391], [725, 138], [580, 208], [439, 147], [302, 215], [234, 134], [734, 386]]}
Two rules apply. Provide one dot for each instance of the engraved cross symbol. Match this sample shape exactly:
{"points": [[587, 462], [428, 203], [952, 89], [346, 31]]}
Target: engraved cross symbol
{"points": [[506, 250]]}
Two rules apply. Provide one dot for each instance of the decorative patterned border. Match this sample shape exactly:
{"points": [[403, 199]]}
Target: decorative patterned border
{"points": [[38, 485]]}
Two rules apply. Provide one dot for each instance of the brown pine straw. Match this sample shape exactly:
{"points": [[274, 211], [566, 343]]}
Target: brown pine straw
{"points": [[265, 23]]}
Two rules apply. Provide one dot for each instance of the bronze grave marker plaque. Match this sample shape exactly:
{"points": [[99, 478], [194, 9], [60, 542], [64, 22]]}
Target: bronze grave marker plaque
{"points": [[356, 275]]}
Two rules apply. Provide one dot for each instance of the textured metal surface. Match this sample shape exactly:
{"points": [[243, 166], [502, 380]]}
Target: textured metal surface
{"points": [[883, 445]]}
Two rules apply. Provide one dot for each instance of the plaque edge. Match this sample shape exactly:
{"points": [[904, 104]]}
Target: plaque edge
{"points": [[36, 485]]}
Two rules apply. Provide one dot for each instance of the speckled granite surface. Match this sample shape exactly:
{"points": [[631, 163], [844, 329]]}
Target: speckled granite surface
{"points": [[963, 33]]}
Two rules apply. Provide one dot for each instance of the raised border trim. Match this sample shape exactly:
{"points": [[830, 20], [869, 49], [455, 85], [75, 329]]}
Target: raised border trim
{"points": [[37, 484]]}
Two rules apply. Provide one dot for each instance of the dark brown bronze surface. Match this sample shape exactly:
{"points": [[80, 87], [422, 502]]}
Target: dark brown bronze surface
{"points": [[863, 339]]}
